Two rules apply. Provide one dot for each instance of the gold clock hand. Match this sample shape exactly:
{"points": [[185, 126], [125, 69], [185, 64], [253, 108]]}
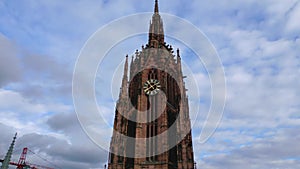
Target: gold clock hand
{"points": [[146, 89], [152, 87]]}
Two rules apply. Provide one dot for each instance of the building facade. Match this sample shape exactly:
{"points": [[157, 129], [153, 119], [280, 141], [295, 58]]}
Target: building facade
{"points": [[152, 127]]}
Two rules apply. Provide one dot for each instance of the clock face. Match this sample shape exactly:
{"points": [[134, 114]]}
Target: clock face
{"points": [[151, 87]]}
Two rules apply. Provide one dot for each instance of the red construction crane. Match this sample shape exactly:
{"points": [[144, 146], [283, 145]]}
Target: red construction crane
{"points": [[22, 159], [22, 164]]}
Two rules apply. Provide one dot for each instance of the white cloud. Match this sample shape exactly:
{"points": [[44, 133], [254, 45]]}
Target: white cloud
{"points": [[14, 101], [10, 70]]}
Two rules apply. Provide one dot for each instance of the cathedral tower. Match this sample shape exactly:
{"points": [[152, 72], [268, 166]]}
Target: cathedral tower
{"points": [[152, 128]]}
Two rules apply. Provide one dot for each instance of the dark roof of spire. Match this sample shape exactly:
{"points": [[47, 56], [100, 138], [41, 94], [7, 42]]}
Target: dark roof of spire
{"points": [[156, 7]]}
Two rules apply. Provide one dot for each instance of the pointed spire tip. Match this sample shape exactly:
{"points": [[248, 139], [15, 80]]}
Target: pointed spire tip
{"points": [[156, 7]]}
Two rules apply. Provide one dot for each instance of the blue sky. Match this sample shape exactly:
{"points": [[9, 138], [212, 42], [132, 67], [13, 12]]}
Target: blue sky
{"points": [[258, 44]]}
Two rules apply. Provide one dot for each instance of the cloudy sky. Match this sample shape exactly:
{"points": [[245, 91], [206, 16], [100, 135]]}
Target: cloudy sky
{"points": [[258, 43]]}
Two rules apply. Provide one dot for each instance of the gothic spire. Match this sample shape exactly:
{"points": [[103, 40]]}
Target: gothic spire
{"points": [[123, 92], [156, 29], [125, 67], [156, 7]]}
